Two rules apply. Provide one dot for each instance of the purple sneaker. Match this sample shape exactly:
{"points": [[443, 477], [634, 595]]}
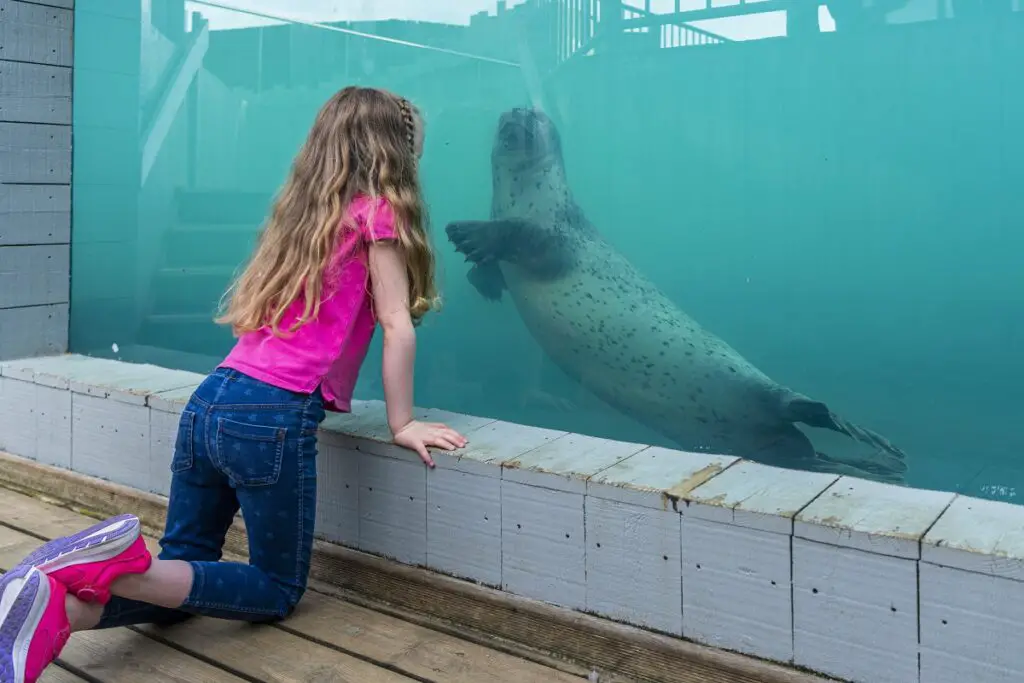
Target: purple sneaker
{"points": [[33, 624], [89, 561]]}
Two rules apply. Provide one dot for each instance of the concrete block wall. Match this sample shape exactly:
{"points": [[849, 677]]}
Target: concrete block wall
{"points": [[858, 580], [36, 60]]}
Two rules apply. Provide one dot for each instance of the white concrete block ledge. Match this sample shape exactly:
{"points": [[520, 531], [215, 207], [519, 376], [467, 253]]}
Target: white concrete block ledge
{"points": [[857, 580]]}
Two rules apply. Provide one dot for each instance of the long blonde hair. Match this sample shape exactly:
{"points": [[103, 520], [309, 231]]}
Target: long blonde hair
{"points": [[364, 141]]}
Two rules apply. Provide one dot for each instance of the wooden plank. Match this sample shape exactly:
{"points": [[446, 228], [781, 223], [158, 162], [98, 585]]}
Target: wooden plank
{"points": [[35, 153], [757, 496], [410, 648], [31, 32], [269, 654], [972, 531], [868, 515], [35, 93], [35, 275], [57, 675], [33, 331], [65, 4], [401, 645], [126, 656], [35, 214]]}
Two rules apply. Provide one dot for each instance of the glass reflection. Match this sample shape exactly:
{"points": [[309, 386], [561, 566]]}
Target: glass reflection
{"points": [[827, 187]]}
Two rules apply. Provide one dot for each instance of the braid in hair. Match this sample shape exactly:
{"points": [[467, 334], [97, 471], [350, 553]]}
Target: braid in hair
{"points": [[410, 124]]}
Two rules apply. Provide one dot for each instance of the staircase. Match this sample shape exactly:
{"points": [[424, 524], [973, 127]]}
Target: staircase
{"points": [[213, 234]]}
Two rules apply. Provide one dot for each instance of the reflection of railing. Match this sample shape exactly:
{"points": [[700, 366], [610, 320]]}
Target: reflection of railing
{"points": [[709, 11], [672, 34], [587, 25], [189, 60]]}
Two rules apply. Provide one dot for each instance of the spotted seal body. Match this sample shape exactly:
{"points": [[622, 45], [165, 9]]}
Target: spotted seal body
{"points": [[605, 325]]}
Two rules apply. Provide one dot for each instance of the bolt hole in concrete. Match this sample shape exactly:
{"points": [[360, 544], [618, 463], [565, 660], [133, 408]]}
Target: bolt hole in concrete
{"points": [[519, 526], [598, 545], [944, 622], [665, 557], [814, 590], [773, 583]]}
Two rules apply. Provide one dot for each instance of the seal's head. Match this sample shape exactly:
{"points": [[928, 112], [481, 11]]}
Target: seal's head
{"points": [[526, 143]]}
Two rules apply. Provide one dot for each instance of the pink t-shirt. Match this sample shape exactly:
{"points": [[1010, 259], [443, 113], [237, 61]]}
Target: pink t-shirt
{"points": [[329, 350]]}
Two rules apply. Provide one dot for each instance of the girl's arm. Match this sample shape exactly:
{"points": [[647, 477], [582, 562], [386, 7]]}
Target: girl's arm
{"points": [[390, 288], [391, 301]]}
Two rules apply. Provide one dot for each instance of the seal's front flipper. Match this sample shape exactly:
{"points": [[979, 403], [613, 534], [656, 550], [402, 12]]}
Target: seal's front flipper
{"points": [[483, 241], [544, 253], [487, 279], [888, 458]]}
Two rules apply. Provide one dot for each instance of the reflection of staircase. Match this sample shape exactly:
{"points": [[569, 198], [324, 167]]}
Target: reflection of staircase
{"points": [[213, 234]]}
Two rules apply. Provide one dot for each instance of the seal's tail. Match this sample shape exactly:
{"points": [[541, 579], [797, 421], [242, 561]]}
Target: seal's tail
{"points": [[816, 414]]}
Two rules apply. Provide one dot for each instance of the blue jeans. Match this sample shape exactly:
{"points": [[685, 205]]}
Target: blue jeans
{"points": [[241, 443]]}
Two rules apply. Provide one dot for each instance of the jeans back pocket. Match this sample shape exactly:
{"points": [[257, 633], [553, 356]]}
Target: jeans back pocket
{"points": [[250, 454]]}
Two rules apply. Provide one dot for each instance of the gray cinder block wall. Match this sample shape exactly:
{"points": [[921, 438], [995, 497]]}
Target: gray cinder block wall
{"points": [[35, 175]]}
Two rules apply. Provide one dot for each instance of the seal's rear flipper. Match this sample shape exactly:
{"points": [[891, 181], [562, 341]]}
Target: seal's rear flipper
{"points": [[487, 279], [789, 447], [816, 414]]}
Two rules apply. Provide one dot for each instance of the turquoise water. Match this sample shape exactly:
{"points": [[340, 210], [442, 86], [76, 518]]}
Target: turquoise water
{"points": [[838, 202]]}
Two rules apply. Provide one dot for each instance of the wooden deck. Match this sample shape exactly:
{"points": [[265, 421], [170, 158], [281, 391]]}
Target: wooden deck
{"points": [[328, 640]]}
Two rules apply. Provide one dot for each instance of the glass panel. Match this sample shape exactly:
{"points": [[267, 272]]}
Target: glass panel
{"points": [[831, 191]]}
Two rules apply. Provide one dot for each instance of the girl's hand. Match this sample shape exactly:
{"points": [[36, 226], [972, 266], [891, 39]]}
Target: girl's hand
{"points": [[416, 436]]}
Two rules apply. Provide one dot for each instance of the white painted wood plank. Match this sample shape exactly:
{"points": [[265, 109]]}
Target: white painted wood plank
{"points": [[337, 509], [757, 496], [35, 214], [971, 630], [393, 508], [34, 275], [35, 93], [854, 613], [634, 566], [983, 536], [53, 371], [31, 32], [35, 153], [871, 516], [33, 331], [567, 462], [464, 525], [737, 588], [163, 434], [543, 544], [35, 422], [17, 418], [656, 477], [175, 400], [127, 382], [110, 440]]}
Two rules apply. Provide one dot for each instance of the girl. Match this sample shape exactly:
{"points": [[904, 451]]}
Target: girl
{"points": [[344, 249]]}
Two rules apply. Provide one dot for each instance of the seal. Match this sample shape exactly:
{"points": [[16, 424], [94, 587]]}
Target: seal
{"points": [[610, 329]]}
